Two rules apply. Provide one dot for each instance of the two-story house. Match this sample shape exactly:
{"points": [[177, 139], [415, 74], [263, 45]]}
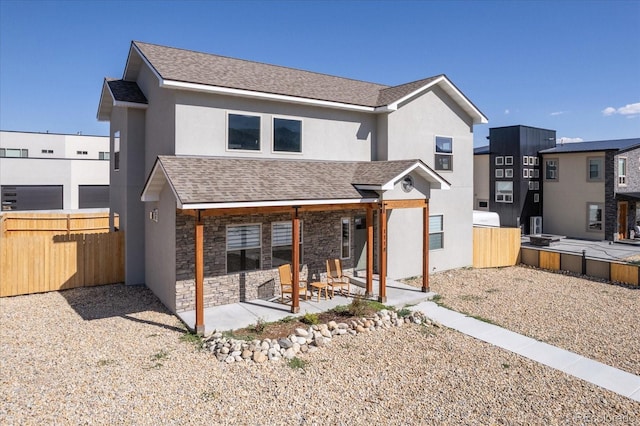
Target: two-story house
{"points": [[223, 169], [591, 189]]}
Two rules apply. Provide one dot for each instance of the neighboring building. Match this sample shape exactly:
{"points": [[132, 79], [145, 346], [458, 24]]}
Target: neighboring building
{"points": [[513, 178], [591, 189], [235, 148], [46, 171]]}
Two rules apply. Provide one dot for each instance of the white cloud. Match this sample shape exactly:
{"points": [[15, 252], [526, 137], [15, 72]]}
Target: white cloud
{"points": [[506, 112], [569, 140], [559, 112], [630, 110]]}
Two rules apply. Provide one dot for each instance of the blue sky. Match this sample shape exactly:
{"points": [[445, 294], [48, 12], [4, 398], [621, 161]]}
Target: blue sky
{"points": [[572, 66]]}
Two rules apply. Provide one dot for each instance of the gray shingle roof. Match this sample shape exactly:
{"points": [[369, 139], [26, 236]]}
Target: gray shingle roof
{"points": [[126, 91], [231, 180], [606, 145], [213, 70]]}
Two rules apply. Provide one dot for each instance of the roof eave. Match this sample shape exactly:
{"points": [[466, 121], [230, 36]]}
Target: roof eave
{"points": [[477, 116], [275, 203], [105, 105]]}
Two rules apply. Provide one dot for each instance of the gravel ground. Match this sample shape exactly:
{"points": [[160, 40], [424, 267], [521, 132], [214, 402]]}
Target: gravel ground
{"points": [[114, 355], [592, 318]]}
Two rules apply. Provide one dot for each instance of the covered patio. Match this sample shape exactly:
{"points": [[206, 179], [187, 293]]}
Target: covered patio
{"points": [[203, 190], [243, 314]]}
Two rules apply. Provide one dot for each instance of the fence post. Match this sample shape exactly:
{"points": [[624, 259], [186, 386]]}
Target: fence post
{"points": [[584, 262]]}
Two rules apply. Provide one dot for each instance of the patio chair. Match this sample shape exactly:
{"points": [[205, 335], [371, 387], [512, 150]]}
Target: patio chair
{"points": [[335, 277], [286, 282]]}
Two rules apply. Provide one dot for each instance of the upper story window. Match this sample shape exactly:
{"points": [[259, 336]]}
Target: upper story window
{"points": [[504, 192], [103, 155], [243, 132], [47, 151], [595, 168], [551, 169], [444, 153], [81, 152], [14, 153], [499, 160], [287, 135], [622, 171], [508, 160]]}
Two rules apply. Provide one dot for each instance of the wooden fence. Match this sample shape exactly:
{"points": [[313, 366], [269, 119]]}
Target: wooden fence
{"points": [[609, 270], [42, 252], [495, 247], [54, 223]]}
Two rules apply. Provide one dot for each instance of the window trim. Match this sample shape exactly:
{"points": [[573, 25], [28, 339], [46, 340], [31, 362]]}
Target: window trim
{"points": [[601, 221], [622, 178], [600, 177], [226, 129], [502, 196], [226, 247], [301, 242], [499, 160], [438, 232], [442, 154], [273, 134], [525, 160], [508, 160], [499, 173], [342, 223], [508, 173]]}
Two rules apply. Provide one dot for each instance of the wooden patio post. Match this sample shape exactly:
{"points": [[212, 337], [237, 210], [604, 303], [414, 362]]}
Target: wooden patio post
{"points": [[199, 240], [295, 260], [369, 289], [425, 247], [382, 296]]}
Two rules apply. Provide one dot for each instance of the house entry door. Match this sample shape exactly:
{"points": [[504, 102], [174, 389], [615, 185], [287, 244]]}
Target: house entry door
{"points": [[360, 242], [622, 220]]}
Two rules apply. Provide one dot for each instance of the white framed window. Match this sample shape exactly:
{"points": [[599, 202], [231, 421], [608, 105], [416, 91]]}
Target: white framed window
{"points": [[536, 197], [14, 153], [536, 161], [530, 173], [536, 173], [532, 161], [551, 169], [499, 173], [622, 171], [594, 216], [536, 185], [483, 204], [436, 232], [525, 160], [504, 192], [444, 153], [281, 236], [530, 185], [499, 160], [345, 238], [508, 173], [595, 169], [103, 155], [244, 244], [525, 173], [287, 135], [243, 132], [508, 160]]}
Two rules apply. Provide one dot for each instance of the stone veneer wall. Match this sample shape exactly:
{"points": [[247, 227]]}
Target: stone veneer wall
{"points": [[321, 241], [610, 204]]}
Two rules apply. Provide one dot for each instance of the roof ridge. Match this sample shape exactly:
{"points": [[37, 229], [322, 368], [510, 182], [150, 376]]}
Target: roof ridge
{"points": [[383, 86]]}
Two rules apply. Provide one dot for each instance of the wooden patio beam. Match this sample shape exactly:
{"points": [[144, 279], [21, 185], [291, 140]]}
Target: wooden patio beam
{"points": [[405, 204], [295, 260], [369, 285], [273, 209], [199, 251], [425, 248], [382, 295]]}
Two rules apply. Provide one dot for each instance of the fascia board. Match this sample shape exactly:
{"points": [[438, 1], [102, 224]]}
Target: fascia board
{"points": [[157, 173], [429, 174], [283, 203], [173, 84], [478, 117], [105, 90]]}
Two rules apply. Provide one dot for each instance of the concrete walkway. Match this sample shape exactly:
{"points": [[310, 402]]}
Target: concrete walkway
{"points": [[613, 379]]}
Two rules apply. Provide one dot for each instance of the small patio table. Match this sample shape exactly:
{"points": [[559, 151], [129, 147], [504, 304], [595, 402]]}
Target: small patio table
{"points": [[319, 286]]}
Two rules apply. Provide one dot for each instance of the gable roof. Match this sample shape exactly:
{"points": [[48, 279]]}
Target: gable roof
{"points": [[218, 182], [186, 69], [605, 145], [119, 93]]}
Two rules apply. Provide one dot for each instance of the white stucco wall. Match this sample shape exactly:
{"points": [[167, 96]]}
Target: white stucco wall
{"points": [[201, 128], [565, 201], [411, 134]]}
